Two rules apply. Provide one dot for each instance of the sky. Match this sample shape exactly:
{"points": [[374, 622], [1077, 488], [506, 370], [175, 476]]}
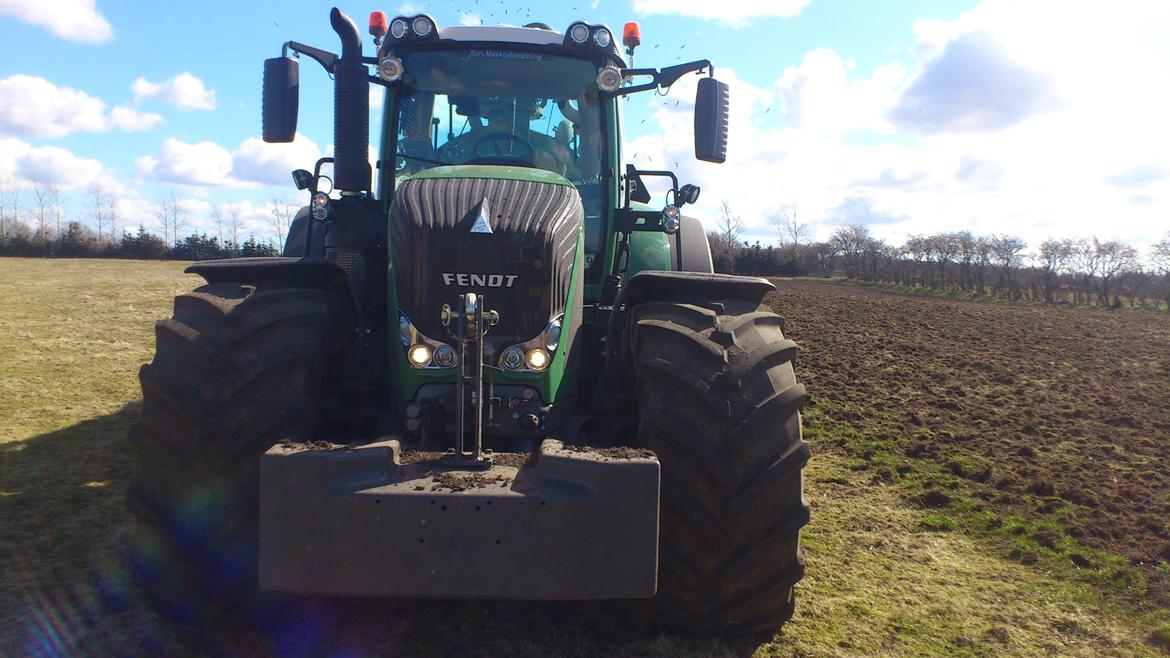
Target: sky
{"points": [[1034, 118]]}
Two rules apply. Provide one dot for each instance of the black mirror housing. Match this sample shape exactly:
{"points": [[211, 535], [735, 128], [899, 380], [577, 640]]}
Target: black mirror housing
{"points": [[712, 108], [280, 100], [302, 179]]}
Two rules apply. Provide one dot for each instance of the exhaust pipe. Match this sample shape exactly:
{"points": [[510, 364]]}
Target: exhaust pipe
{"points": [[351, 110]]}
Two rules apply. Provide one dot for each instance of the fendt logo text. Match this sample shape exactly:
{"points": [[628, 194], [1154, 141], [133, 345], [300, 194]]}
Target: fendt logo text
{"points": [[479, 280]]}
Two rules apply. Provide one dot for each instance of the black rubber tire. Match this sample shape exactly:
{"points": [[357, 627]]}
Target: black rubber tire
{"points": [[236, 370], [719, 404]]}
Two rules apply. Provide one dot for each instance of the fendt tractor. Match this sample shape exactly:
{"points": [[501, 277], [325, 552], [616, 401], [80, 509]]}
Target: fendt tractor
{"points": [[497, 372]]}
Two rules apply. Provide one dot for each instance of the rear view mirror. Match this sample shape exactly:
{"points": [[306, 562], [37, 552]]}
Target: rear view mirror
{"points": [[712, 103], [281, 97]]}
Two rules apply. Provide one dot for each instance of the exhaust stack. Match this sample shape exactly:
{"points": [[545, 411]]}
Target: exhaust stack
{"points": [[351, 110]]}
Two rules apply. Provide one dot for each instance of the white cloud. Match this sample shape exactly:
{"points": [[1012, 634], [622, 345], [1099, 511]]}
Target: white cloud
{"points": [[74, 20], [1087, 153], [184, 91], [34, 107], [271, 164], [24, 164], [253, 164], [129, 119], [205, 163], [733, 13], [470, 19]]}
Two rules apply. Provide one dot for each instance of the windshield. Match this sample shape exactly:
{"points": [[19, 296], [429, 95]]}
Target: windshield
{"points": [[504, 107], [499, 107]]}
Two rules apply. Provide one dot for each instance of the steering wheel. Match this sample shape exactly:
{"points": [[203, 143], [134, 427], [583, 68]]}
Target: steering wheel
{"points": [[498, 140]]}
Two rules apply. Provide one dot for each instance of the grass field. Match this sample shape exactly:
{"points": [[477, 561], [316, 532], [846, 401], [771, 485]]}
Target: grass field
{"points": [[893, 568]]}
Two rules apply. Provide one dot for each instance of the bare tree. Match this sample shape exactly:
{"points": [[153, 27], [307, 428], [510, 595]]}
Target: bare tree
{"points": [[172, 214], [788, 229], [14, 199], [1160, 259], [1113, 258], [851, 243], [55, 201], [99, 201], [41, 196], [217, 215], [113, 215], [730, 232], [283, 210], [1052, 258], [235, 223]]}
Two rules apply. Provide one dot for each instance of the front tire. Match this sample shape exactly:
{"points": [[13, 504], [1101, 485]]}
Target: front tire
{"points": [[236, 370], [719, 403]]}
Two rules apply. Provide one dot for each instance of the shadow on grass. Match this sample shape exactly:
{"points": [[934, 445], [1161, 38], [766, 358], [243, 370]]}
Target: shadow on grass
{"points": [[64, 589]]}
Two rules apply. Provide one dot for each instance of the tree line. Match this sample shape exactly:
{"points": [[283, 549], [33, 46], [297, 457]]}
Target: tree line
{"points": [[40, 220], [1082, 271]]}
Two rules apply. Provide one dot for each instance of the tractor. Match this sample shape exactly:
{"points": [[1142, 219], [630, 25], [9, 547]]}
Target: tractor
{"points": [[493, 372]]}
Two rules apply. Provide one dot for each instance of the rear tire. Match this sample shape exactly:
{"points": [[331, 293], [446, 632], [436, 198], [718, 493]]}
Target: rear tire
{"points": [[236, 370], [719, 404]]}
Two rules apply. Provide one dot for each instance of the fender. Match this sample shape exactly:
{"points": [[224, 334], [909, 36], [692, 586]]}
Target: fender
{"points": [[297, 272]]}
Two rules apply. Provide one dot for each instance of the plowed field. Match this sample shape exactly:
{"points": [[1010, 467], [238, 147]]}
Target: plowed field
{"points": [[1058, 415]]}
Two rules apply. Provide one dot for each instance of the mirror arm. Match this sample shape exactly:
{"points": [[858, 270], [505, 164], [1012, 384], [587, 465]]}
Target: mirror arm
{"points": [[664, 78], [326, 59]]}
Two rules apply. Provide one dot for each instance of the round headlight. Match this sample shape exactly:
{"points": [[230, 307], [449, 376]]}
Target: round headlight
{"points": [[579, 33], [419, 355], [602, 38], [671, 219], [552, 335], [398, 28], [422, 26], [320, 206], [609, 78], [538, 359], [390, 69], [513, 358], [445, 356]]}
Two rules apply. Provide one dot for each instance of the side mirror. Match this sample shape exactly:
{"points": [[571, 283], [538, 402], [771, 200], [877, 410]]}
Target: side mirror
{"points": [[712, 103], [281, 97]]}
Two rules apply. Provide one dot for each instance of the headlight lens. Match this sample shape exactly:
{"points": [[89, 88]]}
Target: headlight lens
{"points": [[609, 78], [538, 359], [552, 335], [513, 358], [390, 69], [422, 26], [419, 355], [445, 356], [579, 33], [398, 28], [602, 38]]}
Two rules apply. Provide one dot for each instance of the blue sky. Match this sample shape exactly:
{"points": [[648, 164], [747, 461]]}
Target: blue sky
{"points": [[1031, 118]]}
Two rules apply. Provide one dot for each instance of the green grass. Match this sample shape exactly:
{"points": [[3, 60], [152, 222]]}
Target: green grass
{"points": [[885, 576]]}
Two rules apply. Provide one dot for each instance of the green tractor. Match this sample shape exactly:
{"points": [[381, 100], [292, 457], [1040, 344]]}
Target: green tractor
{"points": [[494, 373]]}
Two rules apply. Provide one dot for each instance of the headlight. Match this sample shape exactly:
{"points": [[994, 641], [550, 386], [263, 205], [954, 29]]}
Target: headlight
{"points": [[609, 78], [602, 38], [419, 355], [390, 69], [513, 358], [445, 356], [422, 26], [398, 28], [552, 335], [538, 359], [579, 33]]}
